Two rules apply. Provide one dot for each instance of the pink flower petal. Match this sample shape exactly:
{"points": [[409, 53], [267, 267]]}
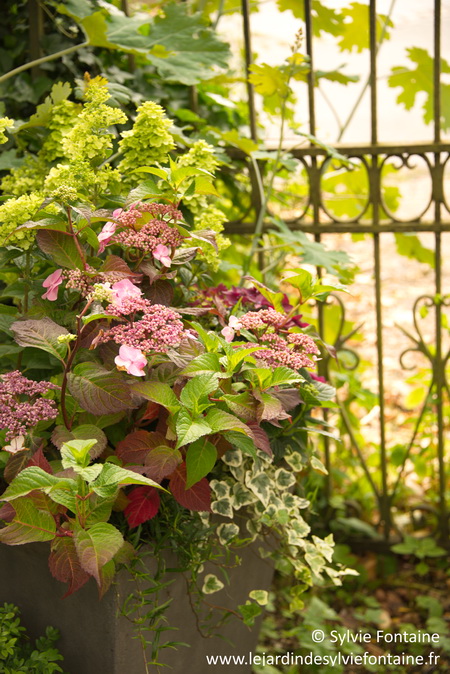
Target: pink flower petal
{"points": [[228, 333], [125, 289]]}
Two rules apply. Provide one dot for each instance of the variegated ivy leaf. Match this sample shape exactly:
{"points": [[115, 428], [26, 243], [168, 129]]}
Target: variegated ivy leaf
{"points": [[316, 562], [223, 507], [260, 485], [233, 457], [297, 532], [284, 479], [238, 472], [212, 584], [253, 528], [260, 596], [220, 488], [241, 496], [325, 546], [226, 532], [294, 460], [292, 501]]}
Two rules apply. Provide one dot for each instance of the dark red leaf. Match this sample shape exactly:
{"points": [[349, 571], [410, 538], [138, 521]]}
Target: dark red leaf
{"points": [[135, 447], [65, 566], [143, 505], [196, 498], [38, 459], [260, 438]]}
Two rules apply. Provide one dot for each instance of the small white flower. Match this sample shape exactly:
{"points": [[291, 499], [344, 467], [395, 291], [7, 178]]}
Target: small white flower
{"points": [[17, 445]]}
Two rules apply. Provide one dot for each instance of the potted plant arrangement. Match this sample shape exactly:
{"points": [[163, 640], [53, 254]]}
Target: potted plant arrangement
{"points": [[150, 420]]}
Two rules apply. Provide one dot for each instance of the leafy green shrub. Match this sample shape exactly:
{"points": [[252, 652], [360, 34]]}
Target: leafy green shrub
{"points": [[18, 655]]}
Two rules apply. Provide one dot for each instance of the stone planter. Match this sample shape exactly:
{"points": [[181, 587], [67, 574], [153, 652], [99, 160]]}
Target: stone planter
{"points": [[95, 639]]}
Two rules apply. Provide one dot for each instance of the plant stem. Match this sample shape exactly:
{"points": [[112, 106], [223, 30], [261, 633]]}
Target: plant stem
{"points": [[67, 421], [43, 59], [75, 238]]}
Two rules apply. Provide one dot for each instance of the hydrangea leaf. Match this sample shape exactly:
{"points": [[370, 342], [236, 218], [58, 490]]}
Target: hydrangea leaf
{"points": [[29, 525], [65, 565], [197, 498], [200, 459], [41, 334], [97, 546], [161, 462], [142, 506], [99, 391], [61, 247]]}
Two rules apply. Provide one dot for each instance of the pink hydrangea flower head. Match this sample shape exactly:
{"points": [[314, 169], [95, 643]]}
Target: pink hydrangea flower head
{"points": [[132, 360], [124, 290], [106, 235], [52, 283], [161, 253]]}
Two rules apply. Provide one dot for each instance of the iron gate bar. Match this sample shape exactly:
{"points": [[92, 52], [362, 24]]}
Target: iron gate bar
{"points": [[439, 372], [373, 158]]}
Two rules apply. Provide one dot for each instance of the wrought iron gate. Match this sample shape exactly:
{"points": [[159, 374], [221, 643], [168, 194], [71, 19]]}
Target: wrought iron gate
{"points": [[376, 220]]}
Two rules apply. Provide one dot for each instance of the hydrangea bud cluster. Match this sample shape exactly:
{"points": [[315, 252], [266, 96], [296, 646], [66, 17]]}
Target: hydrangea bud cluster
{"points": [[148, 238], [158, 330], [281, 353], [257, 320], [18, 415]]}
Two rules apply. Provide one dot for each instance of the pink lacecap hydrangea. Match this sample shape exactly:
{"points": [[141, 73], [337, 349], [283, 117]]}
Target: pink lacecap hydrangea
{"points": [[108, 231], [162, 253], [229, 331], [132, 360], [52, 284], [125, 290]]}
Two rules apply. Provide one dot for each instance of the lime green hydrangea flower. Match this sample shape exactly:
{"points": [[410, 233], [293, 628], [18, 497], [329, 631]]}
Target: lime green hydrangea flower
{"points": [[26, 178], [79, 177], [149, 140], [63, 117], [16, 212], [5, 123], [201, 155], [89, 138], [212, 218]]}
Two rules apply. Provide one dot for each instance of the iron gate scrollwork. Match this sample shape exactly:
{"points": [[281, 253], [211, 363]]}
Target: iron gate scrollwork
{"points": [[375, 219]]}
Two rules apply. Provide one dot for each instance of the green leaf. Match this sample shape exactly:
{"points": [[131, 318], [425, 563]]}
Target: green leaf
{"points": [[99, 391], [200, 459], [113, 476], [41, 334], [410, 246], [190, 429], [61, 247], [33, 478], [318, 465], [219, 421], [242, 442], [159, 393], [193, 51], [268, 80], [324, 19], [29, 525], [179, 45], [195, 393], [202, 364], [284, 375], [97, 546], [84, 432], [76, 453], [355, 29], [249, 612]]}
